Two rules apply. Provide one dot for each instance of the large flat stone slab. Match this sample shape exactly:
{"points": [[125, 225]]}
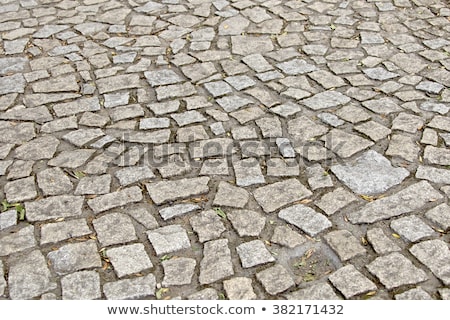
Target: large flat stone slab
{"points": [[164, 191], [370, 174], [409, 199]]}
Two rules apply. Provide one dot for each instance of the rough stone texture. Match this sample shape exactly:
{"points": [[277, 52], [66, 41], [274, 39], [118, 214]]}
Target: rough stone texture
{"points": [[320, 291], [334, 201], [239, 288], [436, 175], [409, 199], [305, 218], [114, 228], [279, 194], [414, 294], [29, 276], [168, 239], [115, 199], [345, 244], [435, 254], [275, 279], [54, 182], [285, 236], [370, 174], [18, 241], [440, 216], [207, 225], [411, 228], [164, 191], [394, 270], [216, 263], [54, 207], [230, 196], [247, 222], [253, 253], [350, 282], [74, 257], [129, 259], [178, 271], [82, 285], [345, 144], [177, 210], [59, 231], [381, 243], [129, 289]]}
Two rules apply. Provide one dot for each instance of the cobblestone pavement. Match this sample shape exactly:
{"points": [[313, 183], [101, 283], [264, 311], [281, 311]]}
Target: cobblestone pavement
{"points": [[199, 149]]}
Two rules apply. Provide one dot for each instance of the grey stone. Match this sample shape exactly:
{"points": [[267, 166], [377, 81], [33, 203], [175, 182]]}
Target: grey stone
{"points": [[2, 280], [199, 71], [217, 128], [350, 282], [305, 218], [191, 133], [345, 144], [275, 279], [218, 88], [74, 257], [285, 236], [188, 117], [175, 91], [91, 119], [317, 176], [49, 30], [177, 210], [246, 45], [154, 123], [253, 253], [255, 149], [175, 166], [15, 242], [208, 225], [120, 82], [435, 254], [18, 134], [59, 231], [20, 190], [29, 276], [129, 289], [247, 114], [36, 114], [440, 216], [330, 119], [153, 137], [216, 262], [164, 191], [162, 77], [71, 159], [382, 106], [407, 200], [380, 242], [326, 79], [53, 182], [82, 285], [116, 99], [286, 110], [373, 130], [379, 73], [239, 288], [282, 167], [345, 244], [430, 87], [296, 67], [81, 137], [414, 294], [320, 291], [434, 107], [178, 271], [248, 172], [37, 149], [257, 62], [94, 185], [5, 149], [131, 175], [369, 174], [114, 228], [440, 156], [168, 239], [14, 83], [407, 122], [244, 132], [8, 219], [126, 112], [394, 270], [247, 222], [233, 26], [205, 294], [142, 215], [279, 194], [58, 84], [129, 259], [77, 106], [304, 129], [4, 166], [115, 199], [444, 293], [335, 200], [440, 122], [54, 207], [215, 167], [230, 196], [270, 127], [20, 169], [240, 82], [411, 228], [404, 147], [436, 175]]}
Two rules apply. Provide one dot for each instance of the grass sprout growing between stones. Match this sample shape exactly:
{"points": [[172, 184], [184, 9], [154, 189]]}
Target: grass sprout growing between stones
{"points": [[20, 209]]}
